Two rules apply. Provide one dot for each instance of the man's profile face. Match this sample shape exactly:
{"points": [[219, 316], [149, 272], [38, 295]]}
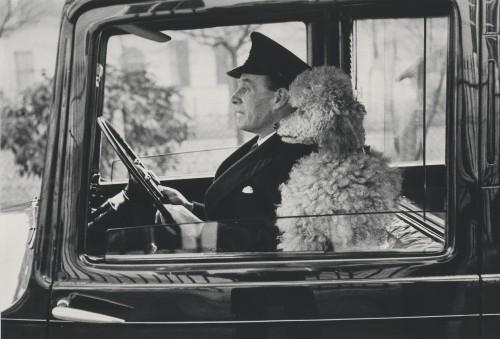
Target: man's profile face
{"points": [[253, 102]]}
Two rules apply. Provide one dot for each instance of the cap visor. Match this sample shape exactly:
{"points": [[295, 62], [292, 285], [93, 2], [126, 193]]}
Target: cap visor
{"points": [[249, 69], [236, 72]]}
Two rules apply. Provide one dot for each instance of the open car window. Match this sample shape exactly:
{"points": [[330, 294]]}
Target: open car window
{"points": [[171, 103]]}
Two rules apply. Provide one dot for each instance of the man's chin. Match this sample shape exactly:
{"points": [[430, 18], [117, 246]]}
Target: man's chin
{"points": [[240, 121]]}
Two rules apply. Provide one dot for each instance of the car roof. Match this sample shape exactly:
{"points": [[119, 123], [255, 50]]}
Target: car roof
{"points": [[73, 8]]}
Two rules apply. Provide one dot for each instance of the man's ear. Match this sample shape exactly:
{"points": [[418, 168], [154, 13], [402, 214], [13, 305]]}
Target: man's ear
{"points": [[281, 98]]}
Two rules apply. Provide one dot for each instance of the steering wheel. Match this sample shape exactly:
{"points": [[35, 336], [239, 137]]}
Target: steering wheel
{"points": [[146, 179]]}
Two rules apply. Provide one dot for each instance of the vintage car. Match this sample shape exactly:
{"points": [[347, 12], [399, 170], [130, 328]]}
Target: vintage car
{"points": [[153, 73]]}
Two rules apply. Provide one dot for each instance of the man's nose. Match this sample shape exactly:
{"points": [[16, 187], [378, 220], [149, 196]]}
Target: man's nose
{"points": [[235, 99]]}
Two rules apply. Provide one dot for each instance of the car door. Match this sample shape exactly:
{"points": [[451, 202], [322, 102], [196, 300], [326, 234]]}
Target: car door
{"points": [[406, 62], [488, 168]]}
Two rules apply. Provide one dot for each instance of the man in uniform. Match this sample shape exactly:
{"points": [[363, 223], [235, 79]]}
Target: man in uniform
{"points": [[246, 185]]}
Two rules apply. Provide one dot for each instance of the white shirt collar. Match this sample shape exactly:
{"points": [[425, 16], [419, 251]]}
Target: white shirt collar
{"points": [[260, 141]]}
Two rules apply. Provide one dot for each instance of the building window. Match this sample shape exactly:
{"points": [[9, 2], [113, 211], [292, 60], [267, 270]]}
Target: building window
{"points": [[179, 53], [24, 69]]}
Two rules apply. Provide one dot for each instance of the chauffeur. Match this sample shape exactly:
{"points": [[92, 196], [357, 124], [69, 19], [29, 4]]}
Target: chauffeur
{"points": [[246, 183]]}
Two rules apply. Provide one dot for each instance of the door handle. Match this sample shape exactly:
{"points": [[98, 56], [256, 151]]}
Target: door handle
{"points": [[63, 312]]}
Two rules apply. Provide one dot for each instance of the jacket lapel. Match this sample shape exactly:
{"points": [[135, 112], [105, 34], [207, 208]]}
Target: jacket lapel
{"points": [[234, 157], [239, 167]]}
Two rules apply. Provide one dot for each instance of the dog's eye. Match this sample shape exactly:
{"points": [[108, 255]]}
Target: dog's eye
{"points": [[301, 111]]}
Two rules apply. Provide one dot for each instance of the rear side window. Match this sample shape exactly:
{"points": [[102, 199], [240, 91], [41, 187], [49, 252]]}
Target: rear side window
{"points": [[399, 74]]}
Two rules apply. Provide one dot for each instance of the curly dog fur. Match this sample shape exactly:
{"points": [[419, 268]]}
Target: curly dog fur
{"points": [[331, 195]]}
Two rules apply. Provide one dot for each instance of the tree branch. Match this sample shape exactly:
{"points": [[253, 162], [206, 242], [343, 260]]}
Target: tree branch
{"points": [[7, 17], [23, 13]]}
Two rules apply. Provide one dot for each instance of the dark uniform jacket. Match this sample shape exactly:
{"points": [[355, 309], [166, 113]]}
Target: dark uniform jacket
{"points": [[246, 186]]}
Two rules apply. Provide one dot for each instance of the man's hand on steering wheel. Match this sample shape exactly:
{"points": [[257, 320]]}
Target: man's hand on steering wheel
{"points": [[142, 189], [132, 198], [174, 197]]}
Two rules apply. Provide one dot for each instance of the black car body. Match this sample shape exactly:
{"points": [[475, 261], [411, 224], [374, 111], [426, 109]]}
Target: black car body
{"points": [[453, 292]]}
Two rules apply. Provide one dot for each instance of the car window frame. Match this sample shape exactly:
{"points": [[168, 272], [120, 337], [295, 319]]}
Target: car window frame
{"points": [[345, 14]]}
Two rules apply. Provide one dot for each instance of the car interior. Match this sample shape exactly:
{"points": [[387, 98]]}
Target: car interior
{"points": [[165, 109]]}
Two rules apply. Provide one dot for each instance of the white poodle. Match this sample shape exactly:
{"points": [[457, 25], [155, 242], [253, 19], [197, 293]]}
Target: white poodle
{"points": [[335, 198]]}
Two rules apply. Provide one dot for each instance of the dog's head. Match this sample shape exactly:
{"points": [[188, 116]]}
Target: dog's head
{"points": [[326, 112]]}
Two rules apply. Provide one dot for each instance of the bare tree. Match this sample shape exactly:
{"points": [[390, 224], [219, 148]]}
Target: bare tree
{"points": [[230, 38], [15, 14]]}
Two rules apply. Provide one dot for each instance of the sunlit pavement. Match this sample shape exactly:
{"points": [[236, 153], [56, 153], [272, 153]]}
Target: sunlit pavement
{"points": [[13, 236]]}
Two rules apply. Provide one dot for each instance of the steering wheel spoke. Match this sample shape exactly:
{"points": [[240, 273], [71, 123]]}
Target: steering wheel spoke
{"points": [[146, 179]]}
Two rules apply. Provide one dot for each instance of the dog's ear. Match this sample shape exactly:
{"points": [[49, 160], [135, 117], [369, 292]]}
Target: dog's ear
{"points": [[346, 130], [356, 117], [332, 106], [332, 137]]}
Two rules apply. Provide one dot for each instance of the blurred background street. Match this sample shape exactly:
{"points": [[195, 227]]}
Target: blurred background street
{"points": [[29, 31]]}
